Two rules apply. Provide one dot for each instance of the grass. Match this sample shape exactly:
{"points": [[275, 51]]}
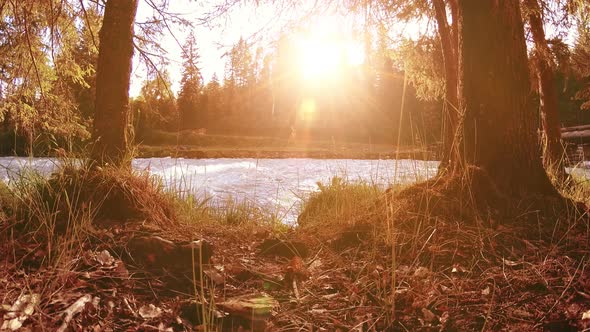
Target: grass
{"points": [[338, 204], [226, 213]]}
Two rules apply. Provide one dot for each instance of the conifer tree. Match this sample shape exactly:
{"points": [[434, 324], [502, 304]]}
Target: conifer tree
{"points": [[192, 112], [112, 117]]}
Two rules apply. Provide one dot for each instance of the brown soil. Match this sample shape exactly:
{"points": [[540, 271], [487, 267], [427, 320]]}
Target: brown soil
{"points": [[447, 276]]}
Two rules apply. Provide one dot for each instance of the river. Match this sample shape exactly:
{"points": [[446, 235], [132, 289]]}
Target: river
{"points": [[275, 184]]}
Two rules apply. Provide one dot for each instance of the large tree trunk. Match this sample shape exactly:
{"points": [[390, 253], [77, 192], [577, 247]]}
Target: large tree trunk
{"points": [[498, 128], [111, 119], [553, 152], [449, 51]]}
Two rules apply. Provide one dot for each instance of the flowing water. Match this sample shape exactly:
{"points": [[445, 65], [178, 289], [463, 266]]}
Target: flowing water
{"points": [[275, 184]]}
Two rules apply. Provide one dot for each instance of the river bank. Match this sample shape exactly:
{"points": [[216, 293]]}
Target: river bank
{"points": [[191, 144], [147, 151]]}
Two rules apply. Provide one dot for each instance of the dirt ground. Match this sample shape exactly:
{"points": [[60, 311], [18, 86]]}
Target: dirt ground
{"points": [[140, 277]]}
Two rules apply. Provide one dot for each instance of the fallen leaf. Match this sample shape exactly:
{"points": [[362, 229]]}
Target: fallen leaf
{"points": [[429, 316], [161, 328], [510, 263], [216, 277], [586, 315], [105, 258], [73, 310], [318, 311], [458, 269], [20, 311], [250, 307], [149, 311], [421, 272], [519, 313]]}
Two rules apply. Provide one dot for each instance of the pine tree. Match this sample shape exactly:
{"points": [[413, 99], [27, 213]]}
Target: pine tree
{"points": [[581, 56], [111, 121], [192, 113], [213, 101], [157, 105], [553, 151], [36, 67]]}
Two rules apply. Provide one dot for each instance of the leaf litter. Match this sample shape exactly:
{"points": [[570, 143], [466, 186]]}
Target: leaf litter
{"points": [[346, 289]]}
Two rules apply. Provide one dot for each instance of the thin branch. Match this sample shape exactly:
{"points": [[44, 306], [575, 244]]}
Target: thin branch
{"points": [[28, 38], [88, 25]]}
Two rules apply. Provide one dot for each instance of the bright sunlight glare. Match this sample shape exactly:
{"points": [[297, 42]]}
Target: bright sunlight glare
{"points": [[324, 51]]}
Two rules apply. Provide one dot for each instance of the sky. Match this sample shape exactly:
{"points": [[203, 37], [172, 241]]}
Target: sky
{"points": [[212, 41]]}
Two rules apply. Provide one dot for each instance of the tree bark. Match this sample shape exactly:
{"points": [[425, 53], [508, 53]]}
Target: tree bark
{"points": [[111, 120], [498, 124], [553, 152], [449, 52]]}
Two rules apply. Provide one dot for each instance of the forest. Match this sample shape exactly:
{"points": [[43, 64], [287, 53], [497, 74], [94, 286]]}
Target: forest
{"points": [[483, 105]]}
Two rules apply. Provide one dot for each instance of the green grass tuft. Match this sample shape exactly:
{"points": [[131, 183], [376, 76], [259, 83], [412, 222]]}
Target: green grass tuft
{"points": [[339, 202]]}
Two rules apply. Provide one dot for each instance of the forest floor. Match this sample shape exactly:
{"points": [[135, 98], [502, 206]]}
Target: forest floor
{"points": [[197, 146], [143, 260]]}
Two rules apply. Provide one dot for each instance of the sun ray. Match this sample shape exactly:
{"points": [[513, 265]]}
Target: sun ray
{"points": [[323, 52]]}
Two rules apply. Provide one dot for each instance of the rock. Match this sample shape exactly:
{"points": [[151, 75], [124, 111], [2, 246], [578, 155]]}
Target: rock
{"points": [[214, 275], [154, 252], [296, 270], [351, 236], [200, 247], [251, 308], [150, 311], [287, 249]]}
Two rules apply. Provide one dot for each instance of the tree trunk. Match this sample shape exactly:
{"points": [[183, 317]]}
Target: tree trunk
{"points": [[450, 106], [498, 127], [111, 120], [553, 150]]}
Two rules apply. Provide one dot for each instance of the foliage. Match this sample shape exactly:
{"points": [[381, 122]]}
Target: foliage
{"points": [[422, 62], [212, 97], [156, 106], [37, 42], [581, 62]]}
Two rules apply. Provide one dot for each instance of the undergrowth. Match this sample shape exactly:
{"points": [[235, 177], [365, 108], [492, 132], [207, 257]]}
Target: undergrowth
{"points": [[424, 253]]}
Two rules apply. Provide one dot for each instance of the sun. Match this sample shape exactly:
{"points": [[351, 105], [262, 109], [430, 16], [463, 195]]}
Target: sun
{"points": [[318, 58], [323, 54]]}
